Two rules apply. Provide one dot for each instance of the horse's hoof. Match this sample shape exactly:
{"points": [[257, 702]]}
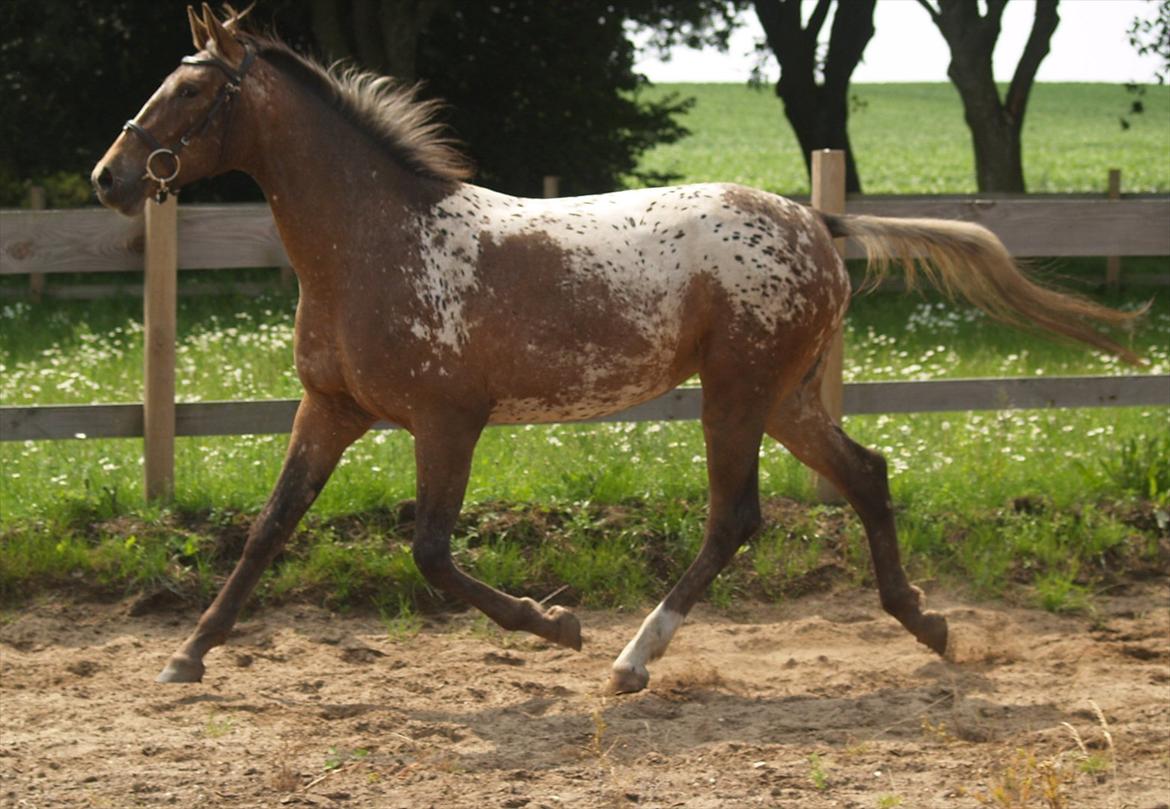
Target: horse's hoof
{"points": [[627, 679], [566, 629], [932, 632], [181, 669]]}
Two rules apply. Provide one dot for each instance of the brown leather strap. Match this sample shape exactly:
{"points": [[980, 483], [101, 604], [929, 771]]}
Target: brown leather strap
{"points": [[230, 88]]}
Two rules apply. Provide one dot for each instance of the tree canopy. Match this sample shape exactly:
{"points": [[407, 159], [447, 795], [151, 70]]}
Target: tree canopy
{"points": [[534, 88]]}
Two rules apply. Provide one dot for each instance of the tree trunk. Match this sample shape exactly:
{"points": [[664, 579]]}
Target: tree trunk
{"points": [[818, 112], [995, 124]]}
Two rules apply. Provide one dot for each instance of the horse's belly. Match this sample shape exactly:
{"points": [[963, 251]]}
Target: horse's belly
{"points": [[534, 385], [546, 409]]}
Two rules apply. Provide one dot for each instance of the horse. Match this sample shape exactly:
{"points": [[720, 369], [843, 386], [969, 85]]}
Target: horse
{"points": [[445, 307]]}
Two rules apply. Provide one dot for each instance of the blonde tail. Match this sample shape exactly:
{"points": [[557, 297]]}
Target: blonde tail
{"points": [[967, 260]]}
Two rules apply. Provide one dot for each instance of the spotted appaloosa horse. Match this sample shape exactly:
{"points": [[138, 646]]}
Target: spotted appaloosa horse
{"points": [[444, 307]]}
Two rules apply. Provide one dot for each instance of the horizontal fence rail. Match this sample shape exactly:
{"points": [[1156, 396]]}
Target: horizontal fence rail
{"points": [[276, 415], [94, 240], [1044, 226]]}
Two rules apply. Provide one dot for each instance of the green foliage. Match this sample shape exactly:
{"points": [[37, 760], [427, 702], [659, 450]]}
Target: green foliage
{"points": [[534, 88], [1141, 466], [336, 757], [817, 772], [63, 189], [547, 89], [70, 74], [341, 573], [783, 554], [602, 569], [403, 624], [1059, 593], [502, 565]]}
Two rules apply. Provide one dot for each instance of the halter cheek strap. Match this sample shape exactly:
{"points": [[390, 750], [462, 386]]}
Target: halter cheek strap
{"points": [[235, 77]]}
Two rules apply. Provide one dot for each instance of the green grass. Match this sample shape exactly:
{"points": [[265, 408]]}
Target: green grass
{"points": [[1046, 506], [1054, 499], [911, 139]]}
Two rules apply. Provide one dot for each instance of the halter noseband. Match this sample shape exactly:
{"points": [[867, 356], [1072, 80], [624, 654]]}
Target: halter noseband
{"points": [[224, 96]]}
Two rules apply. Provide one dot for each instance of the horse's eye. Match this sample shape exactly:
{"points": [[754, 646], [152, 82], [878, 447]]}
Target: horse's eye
{"points": [[188, 91]]}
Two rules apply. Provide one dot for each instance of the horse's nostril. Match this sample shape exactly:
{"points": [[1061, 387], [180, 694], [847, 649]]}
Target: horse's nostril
{"points": [[105, 180]]}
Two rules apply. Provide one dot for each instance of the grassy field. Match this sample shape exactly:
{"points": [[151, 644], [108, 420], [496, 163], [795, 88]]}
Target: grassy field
{"points": [[911, 139], [1043, 505]]}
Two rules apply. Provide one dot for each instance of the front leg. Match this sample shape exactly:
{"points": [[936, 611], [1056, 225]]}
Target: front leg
{"points": [[443, 450], [322, 430]]}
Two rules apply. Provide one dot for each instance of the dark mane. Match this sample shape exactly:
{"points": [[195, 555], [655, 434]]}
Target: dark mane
{"points": [[386, 110]]}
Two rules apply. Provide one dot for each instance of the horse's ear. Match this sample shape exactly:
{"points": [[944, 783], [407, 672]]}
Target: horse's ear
{"points": [[222, 40], [199, 34], [232, 23]]}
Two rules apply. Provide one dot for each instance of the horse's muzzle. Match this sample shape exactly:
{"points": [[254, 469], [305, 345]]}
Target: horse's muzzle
{"points": [[103, 180], [123, 191]]}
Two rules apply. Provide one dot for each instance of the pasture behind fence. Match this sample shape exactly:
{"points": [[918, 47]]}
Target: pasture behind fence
{"points": [[169, 238]]}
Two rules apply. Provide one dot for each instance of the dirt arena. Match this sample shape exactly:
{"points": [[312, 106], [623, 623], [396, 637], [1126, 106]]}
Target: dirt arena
{"points": [[818, 702]]}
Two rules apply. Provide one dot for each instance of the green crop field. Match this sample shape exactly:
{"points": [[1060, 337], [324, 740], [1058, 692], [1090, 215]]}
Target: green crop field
{"points": [[1047, 506], [911, 139]]}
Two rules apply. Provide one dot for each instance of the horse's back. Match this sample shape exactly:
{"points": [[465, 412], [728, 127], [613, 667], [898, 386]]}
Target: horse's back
{"points": [[579, 306]]}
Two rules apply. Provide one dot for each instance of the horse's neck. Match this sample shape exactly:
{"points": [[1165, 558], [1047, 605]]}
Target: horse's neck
{"points": [[328, 184]]}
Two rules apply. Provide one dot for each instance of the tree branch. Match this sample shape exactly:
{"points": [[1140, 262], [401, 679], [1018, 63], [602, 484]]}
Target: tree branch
{"points": [[1043, 26], [792, 46], [931, 10], [852, 30], [995, 10], [818, 17]]}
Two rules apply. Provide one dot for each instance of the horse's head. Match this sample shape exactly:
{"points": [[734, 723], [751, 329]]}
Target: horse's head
{"points": [[179, 135]]}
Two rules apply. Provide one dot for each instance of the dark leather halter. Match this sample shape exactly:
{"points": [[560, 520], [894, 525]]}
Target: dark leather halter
{"points": [[232, 86]]}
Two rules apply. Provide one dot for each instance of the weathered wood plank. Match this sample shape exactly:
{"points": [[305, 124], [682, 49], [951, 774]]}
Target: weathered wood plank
{"points": [[82, 240], [828, 195], [225, 236], [1007, 394], [97, 240], [1044, 227], [228, 236], [276, 415], [51, 422], [159, 326], [235, 418]]}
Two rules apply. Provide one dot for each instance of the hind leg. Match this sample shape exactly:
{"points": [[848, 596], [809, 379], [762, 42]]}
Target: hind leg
{"points": [[801, 424], [733, 445]]}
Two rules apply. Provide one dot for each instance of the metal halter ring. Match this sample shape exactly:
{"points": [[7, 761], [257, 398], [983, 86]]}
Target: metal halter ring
{"points": [[150, 170]]}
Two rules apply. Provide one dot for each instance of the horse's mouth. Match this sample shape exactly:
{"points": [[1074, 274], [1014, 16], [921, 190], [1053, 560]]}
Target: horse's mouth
{"points": [[127, 197], [124, 202]]}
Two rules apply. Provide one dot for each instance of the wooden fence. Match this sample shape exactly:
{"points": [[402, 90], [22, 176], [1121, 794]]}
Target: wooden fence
{"points": [[238, 236]]}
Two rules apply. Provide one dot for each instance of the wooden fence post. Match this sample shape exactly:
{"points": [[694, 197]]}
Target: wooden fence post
{"points": [[828, 195], [1113, 263], [552, 186], [159, 316], [36, 280]]}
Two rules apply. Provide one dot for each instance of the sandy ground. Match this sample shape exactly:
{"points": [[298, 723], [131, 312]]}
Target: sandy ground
{"points": [[814, 703]]}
